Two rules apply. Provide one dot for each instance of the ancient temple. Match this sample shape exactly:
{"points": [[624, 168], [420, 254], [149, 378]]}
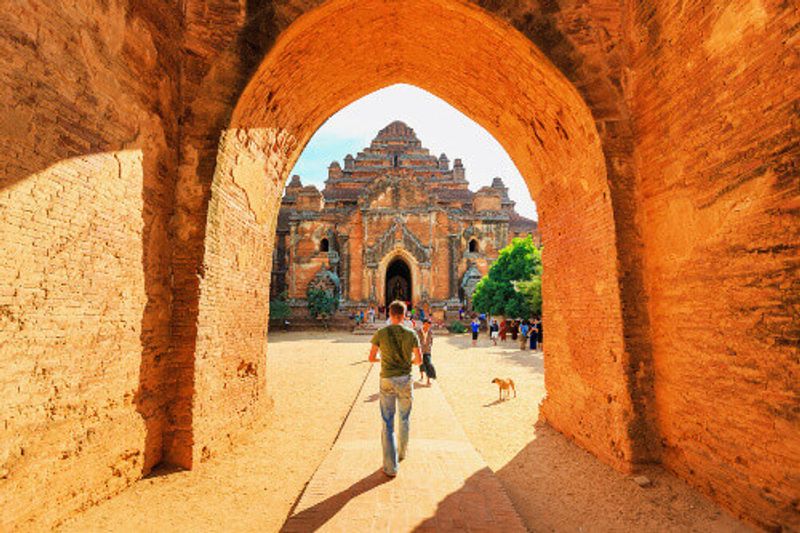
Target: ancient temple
{"points": [[394, 222]]}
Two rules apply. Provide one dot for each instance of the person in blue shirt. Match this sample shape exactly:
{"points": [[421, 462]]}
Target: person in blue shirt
{"points": [[523, 335], [475, 326]]}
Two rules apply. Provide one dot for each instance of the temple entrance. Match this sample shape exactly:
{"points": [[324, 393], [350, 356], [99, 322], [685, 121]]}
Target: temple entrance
{"points": [[398, 281]]}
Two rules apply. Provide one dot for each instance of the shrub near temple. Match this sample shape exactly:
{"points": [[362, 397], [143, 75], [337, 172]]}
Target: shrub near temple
{"points": [[279, 307], [457, 327], [321, 303]]}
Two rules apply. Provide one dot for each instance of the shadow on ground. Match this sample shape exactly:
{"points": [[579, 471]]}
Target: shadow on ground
{"points": [[315, 517], [557, 486]]}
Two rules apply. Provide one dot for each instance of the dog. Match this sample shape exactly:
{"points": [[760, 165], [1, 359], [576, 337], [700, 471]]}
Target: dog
{"points": [[506, 385]]}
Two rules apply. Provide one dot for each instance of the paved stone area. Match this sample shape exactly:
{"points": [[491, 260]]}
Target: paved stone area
{"points": [[443, 484]]}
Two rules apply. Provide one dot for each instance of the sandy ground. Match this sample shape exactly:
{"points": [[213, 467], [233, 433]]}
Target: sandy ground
{"points": [[314, 379], [555, 485]]}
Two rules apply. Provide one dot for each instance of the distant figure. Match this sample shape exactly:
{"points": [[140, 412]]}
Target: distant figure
{"points": [[503, 330], [426, 341], [533, 335], [399, 348], [461, 314], [371, 314], [541, 337], [523, 335], [475, 326], [514, 329], [494, 331]]}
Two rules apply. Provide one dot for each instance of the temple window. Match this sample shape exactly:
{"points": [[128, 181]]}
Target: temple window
{"points": [[473, 246], [323, 245]]}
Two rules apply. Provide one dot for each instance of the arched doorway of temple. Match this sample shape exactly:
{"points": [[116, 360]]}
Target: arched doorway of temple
{"points": [[398, 281]]}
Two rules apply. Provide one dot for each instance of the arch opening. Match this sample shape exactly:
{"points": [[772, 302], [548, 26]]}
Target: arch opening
{"points": [[549, 133], [397, 282]]}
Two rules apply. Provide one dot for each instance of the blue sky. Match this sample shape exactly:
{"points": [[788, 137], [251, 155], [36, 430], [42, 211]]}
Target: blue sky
{"points": [[440, 127]]}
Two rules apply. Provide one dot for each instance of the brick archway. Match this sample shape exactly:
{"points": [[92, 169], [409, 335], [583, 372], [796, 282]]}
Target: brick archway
{"points": [[492, 73]]}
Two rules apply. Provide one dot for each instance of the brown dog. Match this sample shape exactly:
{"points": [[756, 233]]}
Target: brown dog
{"points": [[506, 385]]}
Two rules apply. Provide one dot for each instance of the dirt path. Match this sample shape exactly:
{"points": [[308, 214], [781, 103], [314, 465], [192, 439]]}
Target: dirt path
{"points": [[443, 484], [555, 485], [314, 379]]}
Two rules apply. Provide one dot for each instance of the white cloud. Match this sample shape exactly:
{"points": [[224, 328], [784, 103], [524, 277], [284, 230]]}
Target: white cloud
{"points": [[441, 128]]}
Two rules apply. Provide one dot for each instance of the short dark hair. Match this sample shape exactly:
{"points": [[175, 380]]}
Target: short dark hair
{"points": [[426, 320], [397, 308]]}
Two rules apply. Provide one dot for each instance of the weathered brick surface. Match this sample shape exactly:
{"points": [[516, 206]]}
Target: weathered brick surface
{"points": [[658, 138], [717, 157], [229, 368], [88, 131]]}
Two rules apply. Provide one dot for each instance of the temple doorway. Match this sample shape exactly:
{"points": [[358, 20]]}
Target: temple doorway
{"points": [[398, 281]]}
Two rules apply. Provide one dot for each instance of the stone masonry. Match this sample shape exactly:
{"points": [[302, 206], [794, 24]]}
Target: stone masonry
{"points": [[145, 145]]}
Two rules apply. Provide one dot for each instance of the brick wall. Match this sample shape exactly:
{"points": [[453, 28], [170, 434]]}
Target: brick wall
{"points": [[88, 126], [717, 157], [229, 369], [136, 321]]}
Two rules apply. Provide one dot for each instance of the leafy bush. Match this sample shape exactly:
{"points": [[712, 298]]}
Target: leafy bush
{"points": [[457, 327], [321, 303], [279, 307]]}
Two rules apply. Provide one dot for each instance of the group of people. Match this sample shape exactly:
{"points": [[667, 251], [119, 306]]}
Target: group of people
{"points": [[529, 331], [360, 316]]}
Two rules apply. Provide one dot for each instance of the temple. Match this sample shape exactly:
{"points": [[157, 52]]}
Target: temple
{"points": [[394, 222]]}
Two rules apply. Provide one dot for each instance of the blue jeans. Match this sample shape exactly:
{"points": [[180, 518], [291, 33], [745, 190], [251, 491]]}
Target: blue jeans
{"points": [[400, 390]]}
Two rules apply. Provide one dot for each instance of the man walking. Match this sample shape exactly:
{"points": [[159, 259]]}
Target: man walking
{"points": [[396, 343]]}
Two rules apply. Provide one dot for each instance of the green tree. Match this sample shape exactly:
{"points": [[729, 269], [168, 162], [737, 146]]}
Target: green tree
{"points": [[531, 291], [496, 293]]}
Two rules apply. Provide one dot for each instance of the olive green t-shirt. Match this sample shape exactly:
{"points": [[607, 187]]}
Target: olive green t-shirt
{"points": [[393, 363]]}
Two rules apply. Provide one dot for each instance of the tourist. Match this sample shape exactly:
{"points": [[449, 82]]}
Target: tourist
{"points": [[494, 331], [475, 326], [503, 330], [426, 340], [461, 314], [541, 337], [514, 329], [371, 314], [396, 344], [533, 335], [523, 335]]}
